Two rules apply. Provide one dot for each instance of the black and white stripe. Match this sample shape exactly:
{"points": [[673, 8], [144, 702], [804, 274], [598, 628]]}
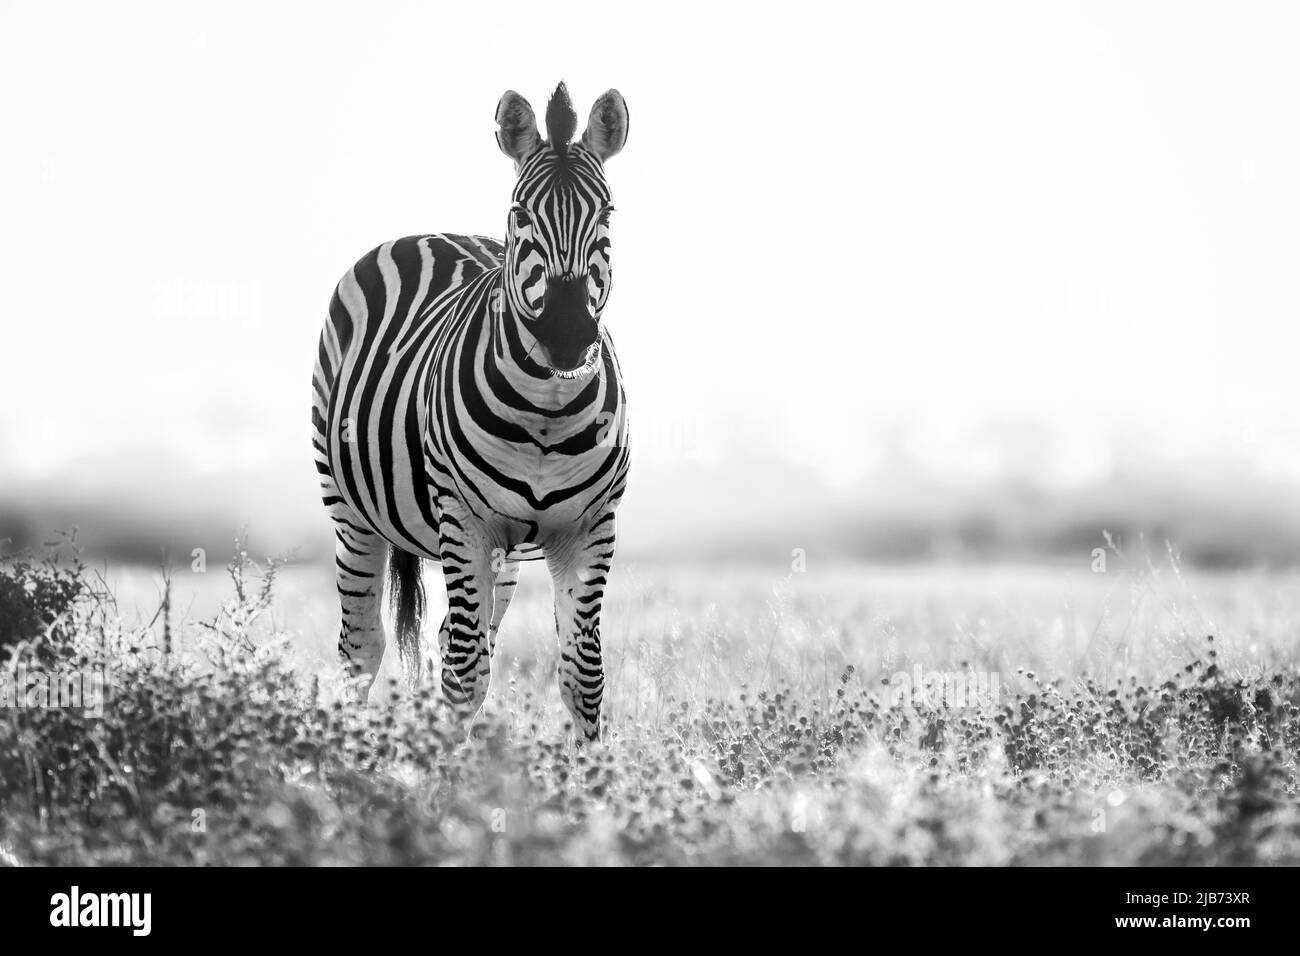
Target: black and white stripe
{"points": [[469, 408]]}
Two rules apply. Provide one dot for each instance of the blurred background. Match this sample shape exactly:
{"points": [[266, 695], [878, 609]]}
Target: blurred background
{"points": [[893, 282]]}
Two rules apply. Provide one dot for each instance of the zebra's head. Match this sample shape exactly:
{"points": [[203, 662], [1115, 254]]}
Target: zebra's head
{"points": [[557, 271]]}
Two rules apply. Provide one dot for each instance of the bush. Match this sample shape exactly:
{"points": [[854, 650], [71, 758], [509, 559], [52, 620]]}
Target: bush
{"points": [[37, 593]]}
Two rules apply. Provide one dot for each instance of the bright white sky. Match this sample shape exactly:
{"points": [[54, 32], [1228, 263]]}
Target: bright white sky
{"points": [[833, 217]]}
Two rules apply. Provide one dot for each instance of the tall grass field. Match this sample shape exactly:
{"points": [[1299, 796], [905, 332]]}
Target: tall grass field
{"points": [[1117, 710]]}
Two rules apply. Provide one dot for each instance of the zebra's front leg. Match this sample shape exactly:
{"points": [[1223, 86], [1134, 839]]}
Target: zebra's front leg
{"points": [[503, 589], [579, 574], [466, 664], [467, 635]]}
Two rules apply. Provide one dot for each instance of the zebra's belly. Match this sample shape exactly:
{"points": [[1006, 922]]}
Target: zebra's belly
{"points": [[521, 497]]}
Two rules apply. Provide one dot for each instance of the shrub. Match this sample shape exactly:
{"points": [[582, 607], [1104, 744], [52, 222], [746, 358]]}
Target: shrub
{"points": [[37, 592]]}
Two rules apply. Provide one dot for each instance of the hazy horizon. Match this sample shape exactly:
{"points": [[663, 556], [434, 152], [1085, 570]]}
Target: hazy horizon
{"points": [[1065, 278]]}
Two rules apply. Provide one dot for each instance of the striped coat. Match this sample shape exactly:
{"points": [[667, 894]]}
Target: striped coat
{"points": [[469, 408]]}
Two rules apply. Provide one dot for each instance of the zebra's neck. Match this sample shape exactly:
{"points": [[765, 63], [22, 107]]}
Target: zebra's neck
{"points": [[512, 360]]}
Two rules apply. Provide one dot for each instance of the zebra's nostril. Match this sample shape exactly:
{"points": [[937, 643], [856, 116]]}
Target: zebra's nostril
{"points": [[563, 281], [566, 297]]}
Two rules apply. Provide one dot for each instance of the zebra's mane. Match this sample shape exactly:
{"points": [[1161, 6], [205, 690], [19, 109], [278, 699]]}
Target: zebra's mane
{"points": [[561, 120]]}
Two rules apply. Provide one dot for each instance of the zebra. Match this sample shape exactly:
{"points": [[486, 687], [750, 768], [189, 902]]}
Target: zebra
{"points": [[468, 408]]}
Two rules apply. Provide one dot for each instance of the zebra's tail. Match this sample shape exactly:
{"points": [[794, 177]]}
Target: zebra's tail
{"points": [[406, 598]]}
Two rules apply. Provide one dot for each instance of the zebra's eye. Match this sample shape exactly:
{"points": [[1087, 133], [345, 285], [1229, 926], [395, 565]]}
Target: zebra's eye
{"points": [[522, 219], [604, 215]]}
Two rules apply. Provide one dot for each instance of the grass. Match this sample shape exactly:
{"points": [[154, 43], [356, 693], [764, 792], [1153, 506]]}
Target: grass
{"points": [[846, 715]]}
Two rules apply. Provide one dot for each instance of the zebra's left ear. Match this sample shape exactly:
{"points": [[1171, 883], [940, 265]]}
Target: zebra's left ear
{"points": [[607, 126]]}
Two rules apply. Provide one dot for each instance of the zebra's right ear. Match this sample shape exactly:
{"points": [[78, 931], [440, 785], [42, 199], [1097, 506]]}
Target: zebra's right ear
{"points": [[516, 127], [607, 128]]}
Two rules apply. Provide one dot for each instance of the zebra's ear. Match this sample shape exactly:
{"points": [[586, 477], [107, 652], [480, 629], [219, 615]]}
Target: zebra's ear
{"points": [[607, 126], [516, 127]]}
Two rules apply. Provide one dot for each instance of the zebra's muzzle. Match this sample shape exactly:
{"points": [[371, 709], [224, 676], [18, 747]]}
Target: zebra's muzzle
{"points": [[565, 328]]}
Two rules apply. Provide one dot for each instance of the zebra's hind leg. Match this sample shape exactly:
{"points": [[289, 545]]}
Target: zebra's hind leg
{"points": [[359, 558], [579, 574]]}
